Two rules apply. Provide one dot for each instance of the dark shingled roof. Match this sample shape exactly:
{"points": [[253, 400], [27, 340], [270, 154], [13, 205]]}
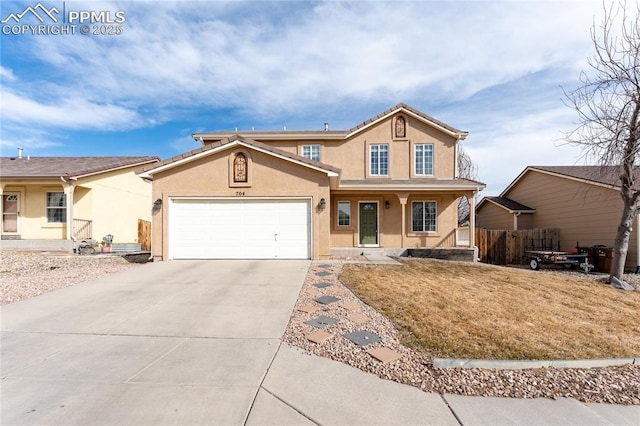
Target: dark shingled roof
{"points": [[411, 182], [509, 204], [53, 167], [318, 134], [246, 141], [410, 109], [607, 175]]}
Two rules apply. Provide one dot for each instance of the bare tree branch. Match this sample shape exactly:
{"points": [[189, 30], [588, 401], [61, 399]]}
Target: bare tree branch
{"points": [[608, 107]]}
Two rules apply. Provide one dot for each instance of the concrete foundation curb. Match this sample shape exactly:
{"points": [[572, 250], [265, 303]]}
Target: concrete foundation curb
{"points": [[522, 365]]}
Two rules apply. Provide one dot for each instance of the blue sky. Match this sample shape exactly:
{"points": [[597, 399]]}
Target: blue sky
{"points": [[493, 68]]}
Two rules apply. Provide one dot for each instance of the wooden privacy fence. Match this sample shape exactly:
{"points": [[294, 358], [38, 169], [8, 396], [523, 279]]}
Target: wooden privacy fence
{"points": [[506, 247], [144, 234]]}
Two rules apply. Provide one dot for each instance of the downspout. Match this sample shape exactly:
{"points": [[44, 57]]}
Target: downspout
{"points": [[516, 215]]}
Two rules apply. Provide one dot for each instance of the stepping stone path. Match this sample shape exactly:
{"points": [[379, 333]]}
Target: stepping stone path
{"points": [[362, 337], [359, 318], [384, 355], [325, 300], [323, 274], [349, 306], [324, 265], [313, 291], [308, 308], [319, 336], [323, 284], [322, 321]]}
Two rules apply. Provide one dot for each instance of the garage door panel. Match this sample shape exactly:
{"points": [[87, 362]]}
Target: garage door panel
{"points": [[239, 229]]}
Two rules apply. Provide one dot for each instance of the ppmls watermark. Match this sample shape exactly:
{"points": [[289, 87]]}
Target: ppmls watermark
{"points": [[41, 20]]}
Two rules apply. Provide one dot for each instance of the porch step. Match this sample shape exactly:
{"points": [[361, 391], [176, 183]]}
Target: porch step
{"points": [[368, 251], [458, 253], [125, 247]]}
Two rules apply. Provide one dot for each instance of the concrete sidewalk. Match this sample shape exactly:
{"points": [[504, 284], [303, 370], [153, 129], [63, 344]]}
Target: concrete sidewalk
{"points": [[198, 342], [306, 389]]}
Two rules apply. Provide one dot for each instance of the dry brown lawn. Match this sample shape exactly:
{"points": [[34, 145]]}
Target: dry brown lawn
{"points": [[462, 310]]}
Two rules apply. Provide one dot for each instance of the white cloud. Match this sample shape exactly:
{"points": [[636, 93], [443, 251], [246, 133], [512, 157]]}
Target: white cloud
{"points": [[270, 64], [6, 75], [71, 112], [492, 68]]}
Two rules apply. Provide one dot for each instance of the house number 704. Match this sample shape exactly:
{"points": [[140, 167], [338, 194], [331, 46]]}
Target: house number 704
{"points": [[239, 193]]}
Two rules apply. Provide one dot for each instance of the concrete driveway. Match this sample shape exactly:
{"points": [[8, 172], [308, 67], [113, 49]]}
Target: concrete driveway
{"points": [[198, 342], [184, 342]]}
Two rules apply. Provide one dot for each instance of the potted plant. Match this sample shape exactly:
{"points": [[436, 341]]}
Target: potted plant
{"points": [[106, 242]]}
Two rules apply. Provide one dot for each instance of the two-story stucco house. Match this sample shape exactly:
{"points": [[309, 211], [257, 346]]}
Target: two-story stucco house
{"points": [[388, 182]]}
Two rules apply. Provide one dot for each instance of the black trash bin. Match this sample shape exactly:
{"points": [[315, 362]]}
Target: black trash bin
{"points": [[603, 258]]}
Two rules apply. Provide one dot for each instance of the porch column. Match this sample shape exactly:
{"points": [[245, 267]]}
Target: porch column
{"points": [[472, 219], [403, 197], [68, 191]]}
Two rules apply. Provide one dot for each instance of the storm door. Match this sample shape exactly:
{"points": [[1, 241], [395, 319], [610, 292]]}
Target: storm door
{"points": [[10, 213]]}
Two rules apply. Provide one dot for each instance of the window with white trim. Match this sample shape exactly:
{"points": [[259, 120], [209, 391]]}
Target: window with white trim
{"points": [[344, 213], [423, 216], [312, 152], [423, 158], [379, 159], [56, 208]]}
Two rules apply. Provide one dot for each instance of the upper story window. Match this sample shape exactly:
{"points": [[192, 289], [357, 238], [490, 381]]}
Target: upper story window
{"points": [[423, 159], [423, 216], [312, 152], [56, 208], [379, 159]]}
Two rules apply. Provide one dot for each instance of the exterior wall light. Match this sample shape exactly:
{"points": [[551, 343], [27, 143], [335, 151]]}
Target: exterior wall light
{"points": [[387, 204], [323, 204], [157, 204]]}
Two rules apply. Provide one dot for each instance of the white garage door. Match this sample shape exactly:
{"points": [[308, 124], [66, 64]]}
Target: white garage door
{"points": [[239, 229]]}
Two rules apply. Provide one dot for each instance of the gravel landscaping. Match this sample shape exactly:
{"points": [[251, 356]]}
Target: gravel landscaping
{"points": [[26, 274], [620, 385]]}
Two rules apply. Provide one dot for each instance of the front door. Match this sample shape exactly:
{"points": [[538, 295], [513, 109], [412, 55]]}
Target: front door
{"points": [[368, 224], [10, 212]]}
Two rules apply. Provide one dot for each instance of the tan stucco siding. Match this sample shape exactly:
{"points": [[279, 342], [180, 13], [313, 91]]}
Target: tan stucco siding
{"points": [[584, 213], [390, 220], [352, 155], [269, 177], [490, 216]]}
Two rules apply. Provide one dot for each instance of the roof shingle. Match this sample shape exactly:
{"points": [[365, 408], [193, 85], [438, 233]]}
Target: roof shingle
{"points": [[53, 167]]}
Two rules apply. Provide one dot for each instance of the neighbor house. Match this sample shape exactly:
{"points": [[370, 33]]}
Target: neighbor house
{"points": [[583, 202], [48, 202], [389, 182]]}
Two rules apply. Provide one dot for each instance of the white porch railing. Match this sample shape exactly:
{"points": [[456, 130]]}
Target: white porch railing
{"points": [[82, 229], [462, 237]]}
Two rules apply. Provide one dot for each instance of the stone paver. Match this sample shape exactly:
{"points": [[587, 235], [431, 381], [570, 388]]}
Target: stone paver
{"points": [[349, 306], [359, 318], [326, 300], [308, 308], [384, 355], [319, 336], [362, 337]]}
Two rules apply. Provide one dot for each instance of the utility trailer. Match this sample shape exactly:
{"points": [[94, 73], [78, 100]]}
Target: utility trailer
{"points": [[567, 259]]}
